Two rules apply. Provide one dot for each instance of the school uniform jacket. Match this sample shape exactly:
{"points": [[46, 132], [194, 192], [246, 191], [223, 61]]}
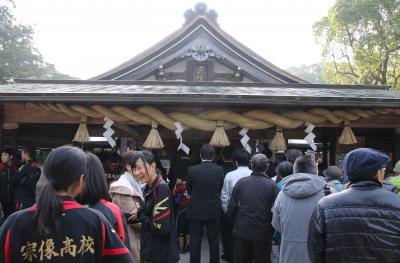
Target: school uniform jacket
{"points": [[24, 182], [114, 216], [158, 240], [7, 171], [83, 235]]}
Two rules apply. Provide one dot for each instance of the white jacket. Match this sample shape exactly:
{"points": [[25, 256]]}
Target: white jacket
{"points": [[230, 180]]}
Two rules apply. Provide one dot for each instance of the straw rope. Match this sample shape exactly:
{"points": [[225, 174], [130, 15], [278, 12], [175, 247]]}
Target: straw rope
{"points": [[153, 140], [219, 138], [82, 134], [276, 119], [159, 116], [236, 118], [87, 111], [132, 115], [207, 121], [347, 136], [197, 123], [278, 143], [109, 113], [305, 116]]}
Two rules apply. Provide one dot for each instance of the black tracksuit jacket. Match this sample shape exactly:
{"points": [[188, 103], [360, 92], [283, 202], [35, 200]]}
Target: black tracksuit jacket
{"points": [[82, 235]]}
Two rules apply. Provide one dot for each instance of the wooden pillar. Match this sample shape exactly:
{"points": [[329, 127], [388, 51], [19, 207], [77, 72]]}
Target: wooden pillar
{"points": [[325, 150], [332, 150]]}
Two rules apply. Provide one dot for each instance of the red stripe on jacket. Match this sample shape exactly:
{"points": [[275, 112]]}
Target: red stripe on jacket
{"points": [[163, 215], [67, 205], [117, 213], [103, 236], [115, 251], [7, 249]]}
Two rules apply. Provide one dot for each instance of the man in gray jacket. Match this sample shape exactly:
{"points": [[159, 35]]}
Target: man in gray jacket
{"points": [[293, 209]]}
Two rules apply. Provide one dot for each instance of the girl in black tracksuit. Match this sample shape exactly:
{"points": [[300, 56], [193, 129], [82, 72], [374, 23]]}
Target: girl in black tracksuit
{"points": [[95, 194], [25, 180], [57, 228], [158, 240]]}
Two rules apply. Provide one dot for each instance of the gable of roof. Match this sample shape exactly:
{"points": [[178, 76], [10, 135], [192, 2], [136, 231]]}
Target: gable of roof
{"points": [[200, 32]]}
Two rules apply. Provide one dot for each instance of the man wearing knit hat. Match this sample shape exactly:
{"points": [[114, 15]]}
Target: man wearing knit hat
{"points": [[361, 223]]}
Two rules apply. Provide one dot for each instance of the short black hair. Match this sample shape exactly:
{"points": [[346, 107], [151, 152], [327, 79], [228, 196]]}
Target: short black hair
{"points": [[284, 169], [128, 156], [305, 164], [144, 155], [9, 151], [227, 153], [96, 187], [292, 154], [259, 163], [242, 157], [207, 152], [31, 151]]}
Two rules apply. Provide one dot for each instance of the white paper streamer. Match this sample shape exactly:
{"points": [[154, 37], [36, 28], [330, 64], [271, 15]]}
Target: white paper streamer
{"points": [[245, 139], [310, 135], [178, 133], [109, 132]]}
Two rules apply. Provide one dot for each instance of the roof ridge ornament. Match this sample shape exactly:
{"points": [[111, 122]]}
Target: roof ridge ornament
{"points": [[200, 9], [201, 52]]}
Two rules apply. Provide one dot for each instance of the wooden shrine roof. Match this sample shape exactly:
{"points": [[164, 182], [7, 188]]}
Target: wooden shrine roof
{"points": [[199, 30]]}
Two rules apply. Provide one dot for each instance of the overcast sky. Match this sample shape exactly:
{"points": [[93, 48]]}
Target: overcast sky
{"points": [[84, 38]]}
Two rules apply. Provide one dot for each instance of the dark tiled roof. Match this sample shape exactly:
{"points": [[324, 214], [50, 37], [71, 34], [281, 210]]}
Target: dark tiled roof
{"points": [[196, 93], [178, 35]]}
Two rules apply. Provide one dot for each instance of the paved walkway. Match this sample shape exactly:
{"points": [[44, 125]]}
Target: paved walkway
{"points": [[205, 258], [205, 254]]}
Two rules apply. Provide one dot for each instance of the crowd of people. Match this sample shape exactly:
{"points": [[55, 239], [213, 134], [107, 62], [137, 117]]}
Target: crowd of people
{"points": [[347, 214]]}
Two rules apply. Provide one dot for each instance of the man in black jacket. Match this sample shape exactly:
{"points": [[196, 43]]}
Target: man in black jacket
{"points": [[7, 171], [362, 223], [25, 180], [204, 184], [250, 210]]}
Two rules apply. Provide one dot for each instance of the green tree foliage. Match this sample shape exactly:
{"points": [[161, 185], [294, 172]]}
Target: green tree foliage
{"points": [[18, 56], [311, 73], [361, 42]]}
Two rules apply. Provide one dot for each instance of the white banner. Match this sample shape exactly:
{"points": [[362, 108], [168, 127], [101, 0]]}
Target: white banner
{"points": [[178, 133], [310, 135], [109, 132], [245, 139]]}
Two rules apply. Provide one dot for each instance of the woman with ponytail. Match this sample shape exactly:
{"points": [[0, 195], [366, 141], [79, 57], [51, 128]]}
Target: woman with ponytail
{"points": [[57, 228], [95, 195]]}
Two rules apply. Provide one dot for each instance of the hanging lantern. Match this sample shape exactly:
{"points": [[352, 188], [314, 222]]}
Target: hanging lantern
{"points": [[219, 138], [154, 140], [82, 134], [347, 136], [278, 143]]}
